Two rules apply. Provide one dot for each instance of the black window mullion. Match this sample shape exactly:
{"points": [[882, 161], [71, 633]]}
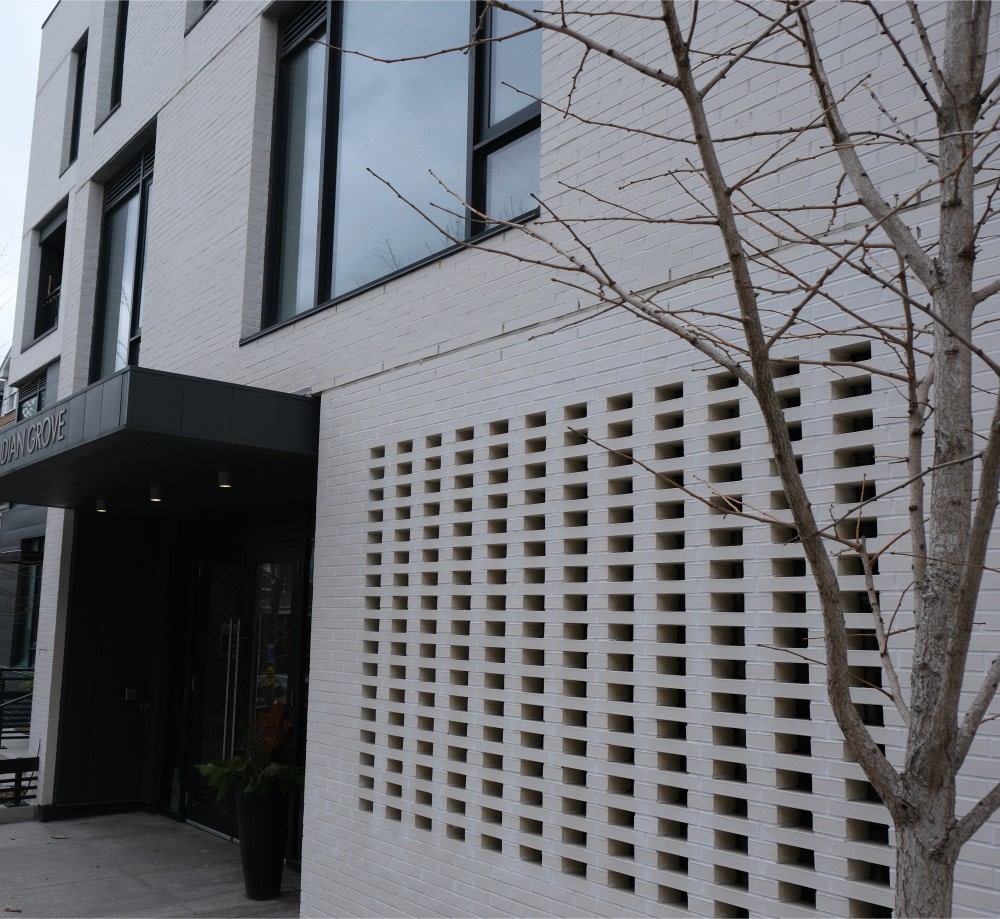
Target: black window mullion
{"points": [[475, 193], [328, 153], [512, 127]]}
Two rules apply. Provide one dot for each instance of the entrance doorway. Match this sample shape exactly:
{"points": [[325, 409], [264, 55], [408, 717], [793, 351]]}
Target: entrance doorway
{"points": [[246, 688]]}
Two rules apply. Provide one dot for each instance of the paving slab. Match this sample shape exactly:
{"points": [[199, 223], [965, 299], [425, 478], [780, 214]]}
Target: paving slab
{"points": [[136, 865]]}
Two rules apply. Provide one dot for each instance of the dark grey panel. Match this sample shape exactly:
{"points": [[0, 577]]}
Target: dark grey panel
{"points": [[155, 402], [208, 411], [140, 428]]}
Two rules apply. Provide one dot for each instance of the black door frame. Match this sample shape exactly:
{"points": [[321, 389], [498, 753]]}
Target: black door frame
{"points": [[248, 558]]}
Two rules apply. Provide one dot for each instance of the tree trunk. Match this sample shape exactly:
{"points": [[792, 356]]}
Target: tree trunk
{"points": [[925, 874]]}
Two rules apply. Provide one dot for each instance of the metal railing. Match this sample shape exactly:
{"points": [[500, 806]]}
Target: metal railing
{"points": [[16, 691], [18, 781]]}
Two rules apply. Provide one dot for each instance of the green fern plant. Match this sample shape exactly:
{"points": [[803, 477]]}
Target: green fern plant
{"points": [[257, 772]]}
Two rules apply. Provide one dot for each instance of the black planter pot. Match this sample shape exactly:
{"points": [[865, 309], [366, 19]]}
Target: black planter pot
{"points": [[262, 823]]}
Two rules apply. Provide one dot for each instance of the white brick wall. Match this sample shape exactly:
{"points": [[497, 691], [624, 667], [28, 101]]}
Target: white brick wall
{"points": [[472, 553]]}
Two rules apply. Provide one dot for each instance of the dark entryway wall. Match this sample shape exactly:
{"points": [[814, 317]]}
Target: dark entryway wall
{"points": [[134, 645], [123, 624]]}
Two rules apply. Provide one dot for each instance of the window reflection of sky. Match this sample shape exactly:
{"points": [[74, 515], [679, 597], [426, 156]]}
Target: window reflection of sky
{"points": [[399, 120]]}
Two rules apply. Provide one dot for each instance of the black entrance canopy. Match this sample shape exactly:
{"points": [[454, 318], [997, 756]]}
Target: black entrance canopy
{"points": [[142, 434]]}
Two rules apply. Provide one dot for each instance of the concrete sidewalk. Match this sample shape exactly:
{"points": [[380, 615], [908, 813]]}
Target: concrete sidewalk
{"points": [[126, 865]]}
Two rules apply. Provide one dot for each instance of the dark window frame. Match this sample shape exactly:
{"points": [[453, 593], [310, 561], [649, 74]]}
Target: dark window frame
{"points": [[118, 67], [482, 140], [134, 179], [47, 302], [79, 79]]}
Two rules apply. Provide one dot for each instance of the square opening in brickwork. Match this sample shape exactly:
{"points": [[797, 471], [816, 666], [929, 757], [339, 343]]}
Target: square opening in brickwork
{"points": [[575, 412], [671, 666], [529, 854], [868, 831], [726, 536], [854, 457], [728, 473], [671, 603], [864, 870], [534, 445], [792, 780], [535, 420], [731, 842], [851, 422], [731, 877], [793, 744], [800, 709], [671, 697], [785, 367], [795, 894], [620, 457], [859, 909], [669, 392], [854, 492], [621, 754], [729, 771], [618, 848], [668, 421], [725, 380], [723, 910], [620, 486], [851, 388], [794, 817], [790, 398], [733, 806], [853, 353], [621, 785], [492, 843], [796, 855], [722, 411], [617, 880], [574, 867]]}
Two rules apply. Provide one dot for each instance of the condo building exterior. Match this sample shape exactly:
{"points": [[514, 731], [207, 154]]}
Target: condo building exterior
{"points": [[305, 452]]}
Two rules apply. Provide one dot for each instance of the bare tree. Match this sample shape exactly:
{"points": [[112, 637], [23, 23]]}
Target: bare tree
{"points": [[913, 246]]}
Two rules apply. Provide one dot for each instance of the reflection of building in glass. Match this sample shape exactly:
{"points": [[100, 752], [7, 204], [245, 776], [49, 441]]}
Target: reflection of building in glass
{"points": [[324, 478]]}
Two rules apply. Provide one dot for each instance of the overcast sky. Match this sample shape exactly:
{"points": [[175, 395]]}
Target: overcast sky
{"points": [[20, 38]]}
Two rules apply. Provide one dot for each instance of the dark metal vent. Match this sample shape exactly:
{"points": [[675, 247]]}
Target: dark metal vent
{"points": [[301, 24], [126, 181]]}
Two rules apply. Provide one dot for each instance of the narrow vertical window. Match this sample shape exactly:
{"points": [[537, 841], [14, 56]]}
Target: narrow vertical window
{"points": [[80, 56], [298, 169], [52, 246], [118, 69], [508, 141], [118, 322]]}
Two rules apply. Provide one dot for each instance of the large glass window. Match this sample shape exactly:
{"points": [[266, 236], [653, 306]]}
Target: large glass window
{"points": [[345, 119], [118, 323]]}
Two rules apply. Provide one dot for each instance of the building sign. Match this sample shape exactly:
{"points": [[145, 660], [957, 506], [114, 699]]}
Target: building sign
{"points": [[33, 437]]}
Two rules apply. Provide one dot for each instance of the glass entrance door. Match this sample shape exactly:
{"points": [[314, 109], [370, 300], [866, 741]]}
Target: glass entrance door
{"points": [[245, 692]]}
